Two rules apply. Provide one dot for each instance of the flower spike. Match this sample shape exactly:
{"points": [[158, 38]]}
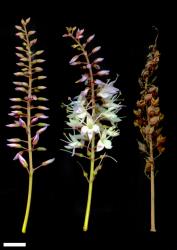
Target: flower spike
{"points": [[147, 119], [92, 116], [28, 74]]}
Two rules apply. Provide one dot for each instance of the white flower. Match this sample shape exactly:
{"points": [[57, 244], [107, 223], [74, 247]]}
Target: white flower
{"points": [[74, 142], [104, 142], [112, 132], [107, 90], [90, 127]]}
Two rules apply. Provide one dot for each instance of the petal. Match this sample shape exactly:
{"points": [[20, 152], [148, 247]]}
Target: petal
{"points": [[96, 128], [100, 146], [84, 130], [90, 134], [107, 144]]}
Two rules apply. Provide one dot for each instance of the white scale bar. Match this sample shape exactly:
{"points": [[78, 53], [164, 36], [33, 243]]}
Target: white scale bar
{"points": [[14, 244]]}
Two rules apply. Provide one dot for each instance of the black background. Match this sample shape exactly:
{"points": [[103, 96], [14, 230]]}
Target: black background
{"points": [[120, 206]]}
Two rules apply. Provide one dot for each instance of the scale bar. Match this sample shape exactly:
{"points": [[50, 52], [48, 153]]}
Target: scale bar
{"points": [[14, 244]]}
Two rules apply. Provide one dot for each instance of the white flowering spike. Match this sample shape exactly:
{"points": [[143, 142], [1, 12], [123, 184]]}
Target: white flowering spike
{"points": [[92, 116]]}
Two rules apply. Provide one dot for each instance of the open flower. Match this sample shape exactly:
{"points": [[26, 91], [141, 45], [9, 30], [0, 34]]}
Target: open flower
{"points": [[104, 142], [74, 141], [90, 128], [107, 90]]}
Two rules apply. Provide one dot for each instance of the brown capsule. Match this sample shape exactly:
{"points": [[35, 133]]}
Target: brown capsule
{"points": [[140, 104], [148, 97], [154, 120], [155, 102]]}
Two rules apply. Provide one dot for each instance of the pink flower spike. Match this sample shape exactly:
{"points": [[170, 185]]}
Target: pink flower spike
{"points": [[103, 73], [96, 49], [73, 59], [90, 38], [79, 33], [35, 139]]}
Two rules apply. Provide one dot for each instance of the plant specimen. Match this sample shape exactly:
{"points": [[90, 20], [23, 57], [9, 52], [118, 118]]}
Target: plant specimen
{"points": [[92, 115], [148, 119], [27, 110]]}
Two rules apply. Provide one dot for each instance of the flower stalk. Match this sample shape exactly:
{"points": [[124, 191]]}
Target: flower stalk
{"points": [[148, 118], [24, 113], [92, 115]]}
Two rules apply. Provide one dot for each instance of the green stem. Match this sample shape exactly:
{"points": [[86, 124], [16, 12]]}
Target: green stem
{"points": [[91, 179], [28, 203], [30, 157], [92, 161]]}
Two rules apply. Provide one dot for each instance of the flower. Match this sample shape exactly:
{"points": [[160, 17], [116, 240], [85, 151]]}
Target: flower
{"points": [[21, 160], [74, 141], [90, 128], [107, 90], [104, 142]]}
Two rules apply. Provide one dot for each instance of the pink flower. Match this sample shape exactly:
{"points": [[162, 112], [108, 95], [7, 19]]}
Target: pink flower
{"points": [[83, 78], [21, 160], [35, 139], [79, 33], [96, 49], [73, 59], [22, 123], [90, 38], [103, 73]]}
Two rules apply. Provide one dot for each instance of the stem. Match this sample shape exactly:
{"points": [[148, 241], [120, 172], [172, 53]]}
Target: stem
{"points": [[90, 189], [29, 135], [25, 222], [152, 179], [92, 159]]}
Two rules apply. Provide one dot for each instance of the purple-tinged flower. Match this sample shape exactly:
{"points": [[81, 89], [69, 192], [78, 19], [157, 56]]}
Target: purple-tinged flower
{"points": [[83, 78], [13, 125], [103, 73], [22, 123], [45, 163], [73, 59], [41, 130], [108, 90], [96, 49], [98, 60], [21, 160], [35, 119], [90, 38], [15, 99], [14, 140], [14, 145], [99, 82], [84, 92], [42, 107], [35, 139], [79, 33]]}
